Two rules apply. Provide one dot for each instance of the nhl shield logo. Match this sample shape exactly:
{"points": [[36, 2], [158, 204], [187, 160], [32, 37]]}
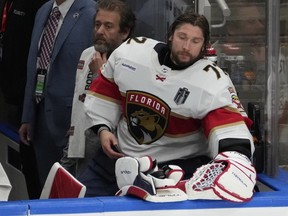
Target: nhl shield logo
{"points": [[181, 96], [147, 116]]}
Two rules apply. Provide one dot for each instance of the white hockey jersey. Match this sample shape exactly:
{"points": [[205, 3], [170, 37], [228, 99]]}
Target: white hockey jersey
{"points": [[79, 120], [167, 114]]}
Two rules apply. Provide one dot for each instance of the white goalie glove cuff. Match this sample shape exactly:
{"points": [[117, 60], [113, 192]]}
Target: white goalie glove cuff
{"points": [[230, 176]]}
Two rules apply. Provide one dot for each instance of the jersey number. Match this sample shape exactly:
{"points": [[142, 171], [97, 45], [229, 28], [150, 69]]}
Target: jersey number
{"points": [[137, 40], [213, 68]]}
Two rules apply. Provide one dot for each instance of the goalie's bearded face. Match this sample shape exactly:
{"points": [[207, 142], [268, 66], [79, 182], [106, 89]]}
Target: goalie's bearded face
{"points": [[186, 44]]}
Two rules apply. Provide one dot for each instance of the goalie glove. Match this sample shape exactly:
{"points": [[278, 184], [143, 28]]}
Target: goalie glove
{"points": [[141, 177], [230, 176]]}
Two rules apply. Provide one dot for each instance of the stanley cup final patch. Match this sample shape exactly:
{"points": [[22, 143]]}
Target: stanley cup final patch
{"points": [[147, 116], [181, 96]]}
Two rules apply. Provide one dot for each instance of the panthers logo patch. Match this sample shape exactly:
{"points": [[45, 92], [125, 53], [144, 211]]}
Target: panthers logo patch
{"points": [[235, 99], [147, 116]]}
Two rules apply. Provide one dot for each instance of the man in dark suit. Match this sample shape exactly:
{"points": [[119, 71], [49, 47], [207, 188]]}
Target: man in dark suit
{"points": [[16, 24], [45, 123]]}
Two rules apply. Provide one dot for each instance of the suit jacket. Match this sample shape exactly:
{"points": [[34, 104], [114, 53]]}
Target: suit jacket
{"points": [[16, 42], [75, 35]]}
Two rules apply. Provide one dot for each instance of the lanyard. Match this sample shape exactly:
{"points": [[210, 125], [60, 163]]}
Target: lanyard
{"points": [[6, 9]]}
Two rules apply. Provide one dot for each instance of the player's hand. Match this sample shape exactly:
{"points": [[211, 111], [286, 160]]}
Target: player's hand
{"points": [[109, 144], [25, 133], [97, 61]]}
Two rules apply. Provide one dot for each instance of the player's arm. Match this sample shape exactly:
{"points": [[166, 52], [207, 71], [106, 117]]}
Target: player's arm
{"points": [[226, 130], [103, 100], [230, 175], [225, 122]]}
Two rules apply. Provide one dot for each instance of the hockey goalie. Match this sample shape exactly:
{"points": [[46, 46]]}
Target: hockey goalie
{"points": [[167, 101]]}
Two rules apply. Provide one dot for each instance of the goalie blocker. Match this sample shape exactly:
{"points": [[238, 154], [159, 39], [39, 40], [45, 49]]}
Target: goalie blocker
{"points": [[229, 176], [141, 177]]}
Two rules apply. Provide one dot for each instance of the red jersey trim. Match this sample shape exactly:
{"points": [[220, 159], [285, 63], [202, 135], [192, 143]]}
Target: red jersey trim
{"points": [[102, 87], [223, 118]]}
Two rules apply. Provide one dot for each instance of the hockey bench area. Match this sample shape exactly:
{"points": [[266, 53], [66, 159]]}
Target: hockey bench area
{"points": [[271, 200]]}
